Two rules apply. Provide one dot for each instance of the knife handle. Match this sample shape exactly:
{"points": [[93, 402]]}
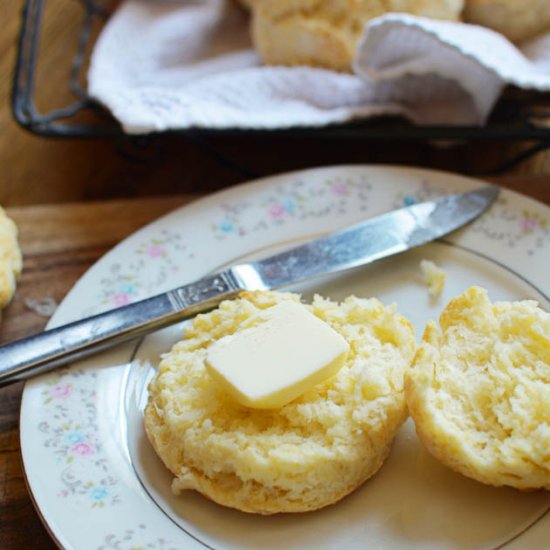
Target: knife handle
{"points": [[44, 351]]}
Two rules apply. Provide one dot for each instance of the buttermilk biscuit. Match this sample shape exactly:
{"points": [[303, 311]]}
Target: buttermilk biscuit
{"points": [[305, 455], [479, 390], [324, 32], [10, 258], [516, 19]]}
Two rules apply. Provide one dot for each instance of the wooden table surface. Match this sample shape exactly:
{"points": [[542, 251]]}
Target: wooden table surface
{"points": [[74, 199]]}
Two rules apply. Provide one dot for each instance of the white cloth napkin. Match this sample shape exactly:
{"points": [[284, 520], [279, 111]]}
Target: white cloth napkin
{"points": [[172, 64]]}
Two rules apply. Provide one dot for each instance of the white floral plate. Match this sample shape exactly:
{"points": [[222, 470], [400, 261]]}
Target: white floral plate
{"points": [[96, 481]]}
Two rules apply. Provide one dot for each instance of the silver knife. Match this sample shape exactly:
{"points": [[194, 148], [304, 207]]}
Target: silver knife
{"points": [[376, 238]]}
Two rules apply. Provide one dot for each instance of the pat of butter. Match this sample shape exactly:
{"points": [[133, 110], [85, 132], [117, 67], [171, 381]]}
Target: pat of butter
{"points": [[274, 361]]}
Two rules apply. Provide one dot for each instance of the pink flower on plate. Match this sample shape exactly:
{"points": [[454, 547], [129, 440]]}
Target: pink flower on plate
{"points": [[155, 251], [61, 391], [276, 211], [82, 448], [340, 188], [120, 298], [528, 224]]}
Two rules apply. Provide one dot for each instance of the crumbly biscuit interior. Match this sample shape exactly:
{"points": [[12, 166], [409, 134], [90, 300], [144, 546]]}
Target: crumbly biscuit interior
{"points": [[479, 390], [304, 455]]}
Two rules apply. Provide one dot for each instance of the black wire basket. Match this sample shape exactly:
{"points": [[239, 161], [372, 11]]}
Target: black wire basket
{"points": [[519, 116]]}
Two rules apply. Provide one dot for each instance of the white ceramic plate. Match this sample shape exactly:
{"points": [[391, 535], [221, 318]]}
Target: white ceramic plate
{"points": [[93, 475]]}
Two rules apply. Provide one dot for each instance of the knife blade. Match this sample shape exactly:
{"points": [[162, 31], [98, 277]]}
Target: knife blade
{"points": [[360, 244]]}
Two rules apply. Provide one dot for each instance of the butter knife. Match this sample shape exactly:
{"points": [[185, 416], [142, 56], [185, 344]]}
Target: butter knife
{"points": [[375, 238]]}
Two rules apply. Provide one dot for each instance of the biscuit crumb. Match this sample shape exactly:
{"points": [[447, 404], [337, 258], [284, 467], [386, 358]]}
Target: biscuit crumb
{"points": [[434, 277]]}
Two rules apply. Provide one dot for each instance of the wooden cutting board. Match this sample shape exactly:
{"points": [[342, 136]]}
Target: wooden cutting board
{"points": [[60, 242]]}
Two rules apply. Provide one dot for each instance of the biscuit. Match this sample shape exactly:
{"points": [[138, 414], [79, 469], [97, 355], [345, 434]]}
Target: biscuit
{"points": [[300, 457], [518, 20], [479, 390], [10, 258], [324, 33]]}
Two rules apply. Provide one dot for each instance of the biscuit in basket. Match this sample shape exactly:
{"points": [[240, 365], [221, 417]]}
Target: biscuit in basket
{"points": [[305, 455], [518, 20], [324, 33], [10, 258], [479, 390]]}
